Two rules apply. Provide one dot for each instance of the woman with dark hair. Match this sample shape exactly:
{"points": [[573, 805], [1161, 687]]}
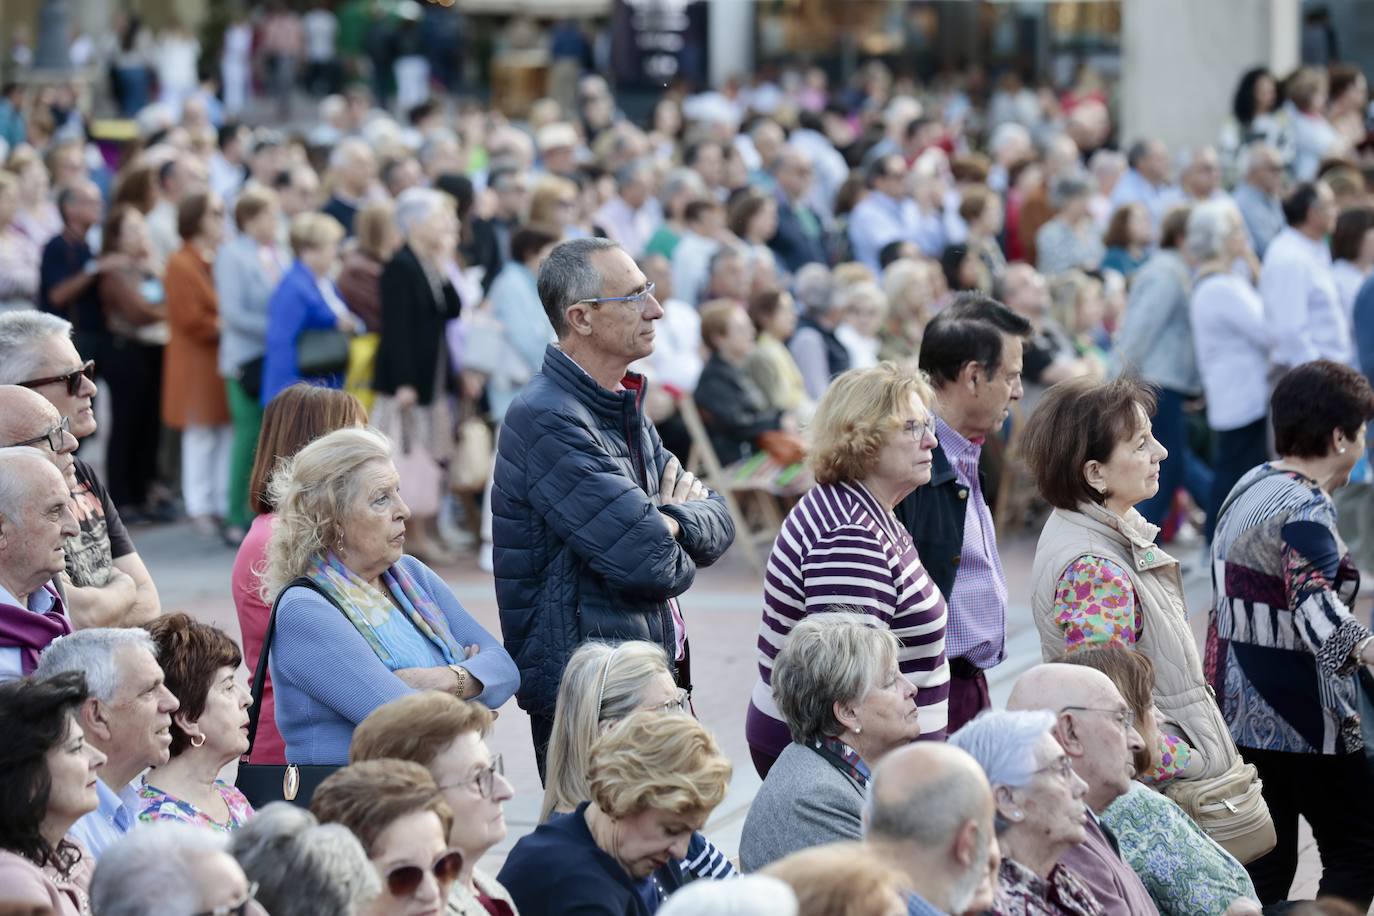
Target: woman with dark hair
{"points": [[1099, 578], [200, 663], [960, 266], [1283, 649], [1352, 254], [47, 783], [1128, 239], [1256, 98], [1347, 99], [293, 419]]}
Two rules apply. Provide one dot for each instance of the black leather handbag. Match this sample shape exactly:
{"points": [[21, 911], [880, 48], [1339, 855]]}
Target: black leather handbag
{"points": [[264, 783], [321, 352]]}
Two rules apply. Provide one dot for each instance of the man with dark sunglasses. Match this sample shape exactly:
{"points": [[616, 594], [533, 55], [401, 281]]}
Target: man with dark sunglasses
{"points": [[106, 583]]}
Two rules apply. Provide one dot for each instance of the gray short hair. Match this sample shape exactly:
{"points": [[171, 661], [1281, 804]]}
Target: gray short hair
{"points": [[415, 205], [747, 895], [931, 815], [92, 653], [815, 290], [1064, 188], [568, 276], [1209, 226], [303, 867], [679, 180], [828, 658], [346, 150], [20, 333], [1250, 153], [160, 855], [1003, 742]]}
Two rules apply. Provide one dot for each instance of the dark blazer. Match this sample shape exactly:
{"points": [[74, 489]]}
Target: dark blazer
{"points": [[733, 408], [412, 334], [581, 548], [934, 514], [793, 247], [560, 869]]}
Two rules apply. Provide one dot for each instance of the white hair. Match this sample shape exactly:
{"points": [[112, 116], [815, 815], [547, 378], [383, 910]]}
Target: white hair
{"points": [[92, 653], [748, 895], [1003, 742], [346, 150], [1209, 226], [303, 867], [1106, 162], [16, 487], [1250, 152], [161, 856], [20, 333], [415, 205]]}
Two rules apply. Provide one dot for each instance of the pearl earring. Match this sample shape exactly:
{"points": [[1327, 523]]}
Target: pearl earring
{"points": [[1342, 449]]}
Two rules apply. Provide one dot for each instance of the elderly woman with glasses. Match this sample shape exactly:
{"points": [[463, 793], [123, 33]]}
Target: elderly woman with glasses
{"points": [[847, 704], [448, 737], [602, 684], [399, 814], [842, 547], [1040, 812]]}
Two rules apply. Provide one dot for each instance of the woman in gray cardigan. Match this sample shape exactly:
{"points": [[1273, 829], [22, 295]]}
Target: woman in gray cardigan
{"points": [[837, 685], [247, 269]]}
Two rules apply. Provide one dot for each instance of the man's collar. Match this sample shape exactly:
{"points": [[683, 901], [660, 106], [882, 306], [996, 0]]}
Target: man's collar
{"points": [[40, 601]]}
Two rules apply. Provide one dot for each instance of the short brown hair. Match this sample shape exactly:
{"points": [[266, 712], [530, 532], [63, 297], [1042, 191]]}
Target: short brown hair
{"points": [[297, 416], [840, 879], [1313, 400], [1118, 234], [369, 797], [1173, 228], [417, 726], [253, 201], [370, 227], [715, 320], [191, 214], [190, 652], [744, 208], [765, 304], [856, 415], [974, 202], [112, 231], [1077, 421], [1351, 227], [137, 186]]}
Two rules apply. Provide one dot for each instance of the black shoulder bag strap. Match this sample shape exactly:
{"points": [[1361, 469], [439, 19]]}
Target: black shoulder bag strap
{"points": [[260, 672]]}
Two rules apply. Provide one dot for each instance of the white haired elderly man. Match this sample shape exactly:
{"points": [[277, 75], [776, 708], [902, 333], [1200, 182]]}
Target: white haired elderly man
{"points": [[106, 581], [35, 521], [930, 813], [354, 168], [1094, 726], [128, 716], [168, 868]]}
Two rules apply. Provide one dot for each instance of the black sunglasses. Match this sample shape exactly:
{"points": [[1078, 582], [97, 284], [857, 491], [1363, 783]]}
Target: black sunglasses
{"points": [[73, 378], [404, 880]]}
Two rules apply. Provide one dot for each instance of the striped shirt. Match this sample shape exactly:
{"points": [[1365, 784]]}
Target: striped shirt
{"points": [[840, 549]]}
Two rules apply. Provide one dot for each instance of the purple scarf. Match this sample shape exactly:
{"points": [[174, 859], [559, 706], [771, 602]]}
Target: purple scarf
{"points": [[30, 632]]}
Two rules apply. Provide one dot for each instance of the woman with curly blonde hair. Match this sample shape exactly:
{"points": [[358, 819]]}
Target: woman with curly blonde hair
{"points": [[356, 622], [653, 781], [841, 547]]}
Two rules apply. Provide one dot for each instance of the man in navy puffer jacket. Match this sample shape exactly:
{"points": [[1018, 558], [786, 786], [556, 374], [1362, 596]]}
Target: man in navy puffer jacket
{"points": [[596, 528]]}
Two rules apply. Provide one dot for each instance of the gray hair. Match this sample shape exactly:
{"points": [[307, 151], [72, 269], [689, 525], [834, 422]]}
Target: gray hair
{"points": [[1007, 133], [303, 867], [747, 895], [931, 814], [92, 652], [1003, 742], [347, 149], [569, 276], [20, 333], [635, 170], [1064, 188], [1106, 161], [1250, 155], [815, 289], [828, 658], [160, 855], [415, 205], [679, 180], [1209, 226]]}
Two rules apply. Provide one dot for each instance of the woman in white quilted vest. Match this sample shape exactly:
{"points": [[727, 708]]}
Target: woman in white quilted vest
{"points": [[1099, 578]]}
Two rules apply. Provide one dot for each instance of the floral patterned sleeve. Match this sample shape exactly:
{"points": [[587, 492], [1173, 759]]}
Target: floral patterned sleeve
{"points": [[1094, 604]]}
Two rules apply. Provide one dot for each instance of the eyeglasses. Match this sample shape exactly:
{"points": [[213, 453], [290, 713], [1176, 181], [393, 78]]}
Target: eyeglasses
{"points": [[404, 880], [1124, 717], [55, 437], [73, 378], [678, 703], [918, 430], [1063, 766], [236, 909], [485, 780], [638, 300]]}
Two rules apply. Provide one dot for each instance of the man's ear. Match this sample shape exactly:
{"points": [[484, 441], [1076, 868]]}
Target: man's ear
{"points": [[578, 321], [971, 375], [966, 843], [1066, 732], [95, 720]]}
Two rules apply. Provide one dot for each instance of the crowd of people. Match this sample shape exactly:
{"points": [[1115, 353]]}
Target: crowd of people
{"points": [[884, 307]]}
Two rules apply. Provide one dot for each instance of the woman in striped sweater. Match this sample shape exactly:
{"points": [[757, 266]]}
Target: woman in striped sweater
{"points": [[841, 548]]}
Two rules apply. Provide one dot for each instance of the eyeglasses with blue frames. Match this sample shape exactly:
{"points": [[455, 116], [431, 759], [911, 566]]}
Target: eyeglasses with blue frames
{"points": [[56, 437], [637, 300]]}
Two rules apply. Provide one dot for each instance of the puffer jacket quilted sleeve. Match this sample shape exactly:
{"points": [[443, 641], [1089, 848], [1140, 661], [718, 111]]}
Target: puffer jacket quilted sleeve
{"points": [[581, 548]]}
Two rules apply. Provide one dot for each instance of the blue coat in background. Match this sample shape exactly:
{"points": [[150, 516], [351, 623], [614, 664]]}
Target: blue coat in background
{"points": [[296, 306]]}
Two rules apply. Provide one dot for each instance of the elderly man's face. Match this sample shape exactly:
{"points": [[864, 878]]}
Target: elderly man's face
{"points": [[33, 543], [139, 715], [27, 419], [1204, 174], [58, 357], [620, 331], [1102, 741]]}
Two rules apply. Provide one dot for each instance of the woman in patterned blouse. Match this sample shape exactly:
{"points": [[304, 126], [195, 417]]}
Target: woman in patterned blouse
{"points": [[1040, 812], [208, 730], [1099, 578]]}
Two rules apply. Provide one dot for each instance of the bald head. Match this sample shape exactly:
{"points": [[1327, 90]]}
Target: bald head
{"points": [[35, 521], [25, 416], [1053, 686]]}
